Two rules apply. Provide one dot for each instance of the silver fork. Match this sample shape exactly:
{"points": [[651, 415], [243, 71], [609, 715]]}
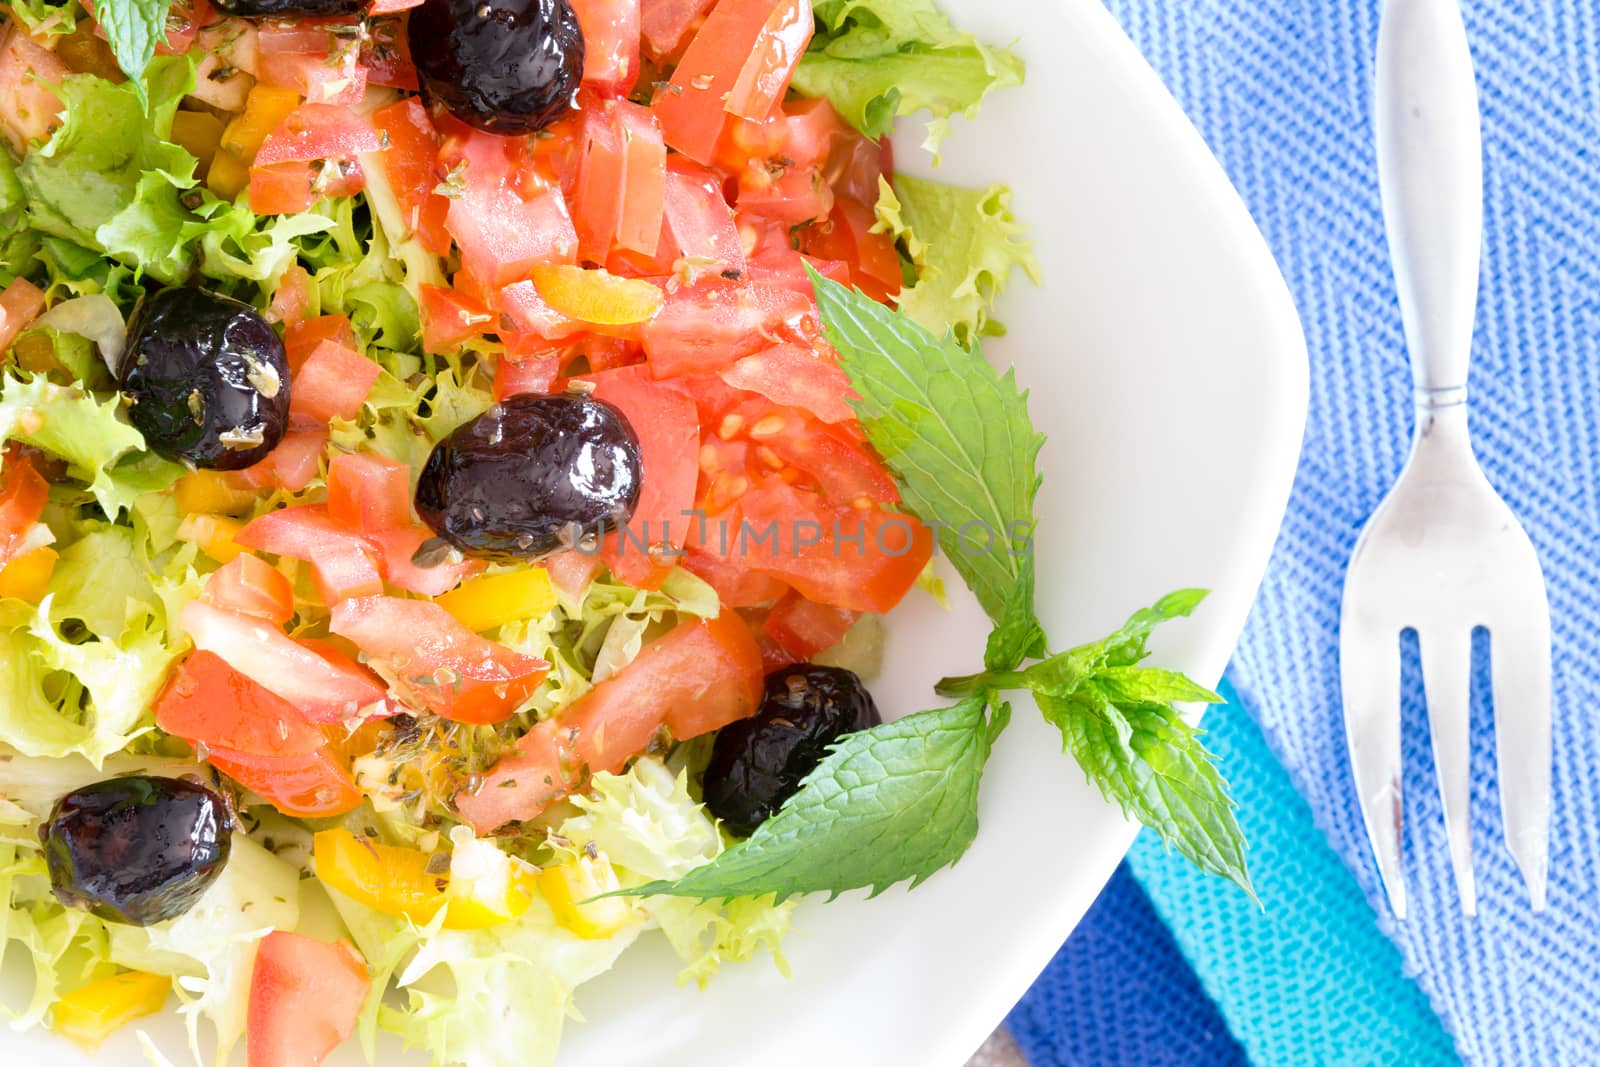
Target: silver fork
{"points": [[1443, 554]]}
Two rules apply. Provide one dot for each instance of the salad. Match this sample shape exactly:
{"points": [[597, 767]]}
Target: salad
{"points": [[456, 454]]}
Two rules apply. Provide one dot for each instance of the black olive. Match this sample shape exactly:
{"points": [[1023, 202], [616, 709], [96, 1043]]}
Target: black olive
{"points": [[261, 9], [504, 66], [206, 378], [758, 763], [530, 476], [138, 850]]}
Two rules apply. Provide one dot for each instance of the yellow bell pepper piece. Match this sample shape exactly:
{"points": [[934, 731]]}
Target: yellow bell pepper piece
{"points": [[212, 492], [199, 133], [487, 887], [89, 1014], [495, 599], [398, 881], [264, 109], [567, 887], [28, 576], [597, 296], [213, 534]]}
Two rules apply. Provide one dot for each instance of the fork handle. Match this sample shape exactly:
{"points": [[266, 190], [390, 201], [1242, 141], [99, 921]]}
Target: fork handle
{"points": [[1430, 171]]}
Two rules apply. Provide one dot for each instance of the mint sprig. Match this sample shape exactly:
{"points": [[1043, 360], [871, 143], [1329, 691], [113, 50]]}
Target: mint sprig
{"points": [[899, 801], [1118, 720]]}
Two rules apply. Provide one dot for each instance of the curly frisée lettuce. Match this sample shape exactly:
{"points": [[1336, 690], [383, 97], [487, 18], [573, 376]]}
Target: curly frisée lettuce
{"points": [[876, 60], [961, 245], [649, 827]]}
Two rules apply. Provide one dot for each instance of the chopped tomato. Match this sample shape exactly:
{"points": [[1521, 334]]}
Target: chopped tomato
{"points": [[341, 561], [305, 997], [302, 338], [386, 53], [291, 188], [395, 550], [317, 58], [318, 131], [876, 264], [502, 229], [572, 572], [794, 196], [610, 44], [251, 586], [771, 62], [699, 219], [368, 492], [293, 464], [29, 107], [309, 785], [529, 312], [292, 298], [20, 304], [737, 586], [389, 7], [411, 165], [618, 199], [666, 23], [833, 457], [324, 688], [802, 627], [450, 317], [696, 678], [23, 494], [437, 661], [737, 36], [795, 376], [530, 374], [332, 383], [858, 559], [706, 326], [663, 417], [206, 702]]}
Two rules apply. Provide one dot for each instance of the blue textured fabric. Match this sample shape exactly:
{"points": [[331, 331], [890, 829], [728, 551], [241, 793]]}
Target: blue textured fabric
{"points": [[1282, 91], [1307, 978], [1120, 993]]}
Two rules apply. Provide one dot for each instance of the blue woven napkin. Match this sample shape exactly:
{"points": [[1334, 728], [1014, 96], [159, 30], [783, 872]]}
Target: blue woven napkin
{"points": [[1282, 91]]}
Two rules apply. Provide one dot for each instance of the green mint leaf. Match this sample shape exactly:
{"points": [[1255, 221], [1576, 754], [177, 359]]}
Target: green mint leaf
{"points": [[1118, 721], [1151, 763], [133, 29], [957, 435], [894, 803]]}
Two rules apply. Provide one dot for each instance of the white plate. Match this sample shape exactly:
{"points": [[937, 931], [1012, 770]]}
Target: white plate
{"points": [[1169, 371]]}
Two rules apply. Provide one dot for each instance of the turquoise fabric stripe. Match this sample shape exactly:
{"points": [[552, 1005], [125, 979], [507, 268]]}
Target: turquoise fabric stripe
{"points": [[1308, 978]]}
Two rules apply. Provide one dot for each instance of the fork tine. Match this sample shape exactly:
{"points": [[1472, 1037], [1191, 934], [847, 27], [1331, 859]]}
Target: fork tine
{"points": [[1520, 660], [1369, 662], [1447, 680]]}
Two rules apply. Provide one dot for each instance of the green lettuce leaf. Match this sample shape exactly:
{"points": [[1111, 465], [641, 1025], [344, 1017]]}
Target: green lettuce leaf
{"points": [[876, 60], [66, 948], [649, 827], [238, 245], [497, 997], [109, 180], [962, 245], [89, 434]]}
